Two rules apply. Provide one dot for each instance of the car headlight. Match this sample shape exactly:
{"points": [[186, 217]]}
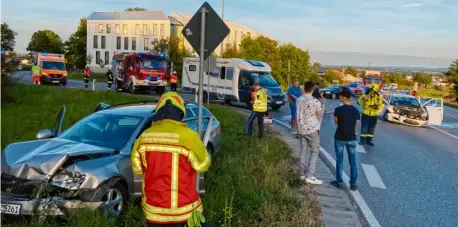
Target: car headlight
{"points": [[328, 92], [68, 181]]}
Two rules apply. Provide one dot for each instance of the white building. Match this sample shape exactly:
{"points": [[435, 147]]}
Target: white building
{"points": [[123, 31], [237, 31]]}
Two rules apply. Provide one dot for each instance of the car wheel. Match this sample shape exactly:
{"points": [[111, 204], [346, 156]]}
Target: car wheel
{"points": [[275, 107], [159, 90], [113, 196], [334, 96]]}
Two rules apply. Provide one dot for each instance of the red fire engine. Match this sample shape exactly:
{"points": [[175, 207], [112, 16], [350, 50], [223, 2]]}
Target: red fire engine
{"points": [[373, 79], [145, 71]]}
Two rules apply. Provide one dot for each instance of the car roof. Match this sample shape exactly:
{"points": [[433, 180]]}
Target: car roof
{"points": [[403, 96]]}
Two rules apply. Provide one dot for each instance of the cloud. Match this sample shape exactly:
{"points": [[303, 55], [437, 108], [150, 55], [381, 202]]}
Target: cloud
{"points": [[412, 5]]}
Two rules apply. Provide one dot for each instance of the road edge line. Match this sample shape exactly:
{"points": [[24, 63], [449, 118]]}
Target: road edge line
{"points": [[357, 197], [440, 130]]}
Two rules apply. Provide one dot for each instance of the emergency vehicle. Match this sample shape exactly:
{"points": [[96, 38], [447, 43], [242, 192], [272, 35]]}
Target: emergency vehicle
{"points": [[53, 69], [372, 79], [145, 71], [232, 80]]}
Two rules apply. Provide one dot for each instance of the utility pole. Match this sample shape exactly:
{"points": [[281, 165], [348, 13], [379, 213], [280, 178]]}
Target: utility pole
{"points": [[222, 43], [289, 72], [203, 11]]}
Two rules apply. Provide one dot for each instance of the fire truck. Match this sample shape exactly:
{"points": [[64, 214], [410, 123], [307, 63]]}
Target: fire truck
{"points": [[145, 71], [373, 79]]}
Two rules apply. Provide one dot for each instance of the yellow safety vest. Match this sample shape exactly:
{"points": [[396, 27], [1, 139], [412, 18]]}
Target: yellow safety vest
{"points": [[260, 101], [367, 105]]}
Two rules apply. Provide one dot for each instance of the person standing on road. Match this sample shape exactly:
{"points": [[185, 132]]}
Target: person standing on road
{"points": [[109, 75], [119, 79], [259, 110], [309, 114], [87, 75], [294, 92], [173, 81], [372, 105], [346, 117], [36, 74], [169, 155]]}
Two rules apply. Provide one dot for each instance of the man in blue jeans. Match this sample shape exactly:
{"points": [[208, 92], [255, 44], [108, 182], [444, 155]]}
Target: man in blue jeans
{"points": [[294, 92], [346, 117]]}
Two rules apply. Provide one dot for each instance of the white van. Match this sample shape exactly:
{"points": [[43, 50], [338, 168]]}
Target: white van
{"points": [[232, 80]]}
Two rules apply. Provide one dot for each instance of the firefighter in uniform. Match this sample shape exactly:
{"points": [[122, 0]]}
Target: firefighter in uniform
{"points": [[109, 75], [259, 110], [87, 75], [173, 81], [119, 79], [36, 74], [169, 155], [372, 105]]}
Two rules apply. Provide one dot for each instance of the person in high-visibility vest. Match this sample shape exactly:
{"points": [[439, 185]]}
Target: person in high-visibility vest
{"points": [[259, 110], [87, 75], [173, 81], [109, 75], [36, 76], [372, 104], [169, 155]]}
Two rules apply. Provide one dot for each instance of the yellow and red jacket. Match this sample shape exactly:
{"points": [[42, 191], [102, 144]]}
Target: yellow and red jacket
{"points": [[169, 155]]}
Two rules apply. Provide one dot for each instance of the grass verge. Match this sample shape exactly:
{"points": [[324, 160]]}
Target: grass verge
{"points": [[453, 105], [251, 182], [99, 77]]}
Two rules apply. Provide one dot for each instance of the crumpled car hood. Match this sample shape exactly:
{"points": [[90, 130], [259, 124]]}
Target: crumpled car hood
{"points": [[40, 159]]}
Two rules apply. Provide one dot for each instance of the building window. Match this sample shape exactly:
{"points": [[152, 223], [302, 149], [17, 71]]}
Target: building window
{"points": [[126, 43], [134, 43], [107, 57], [96, 42], [145, 30], [145, 43], [103, 41], [162, 30], [117, 29], [97, 57], [118, 43], [124, 29], [154, 29], [137, 29], [100, 28], [108, 28]]}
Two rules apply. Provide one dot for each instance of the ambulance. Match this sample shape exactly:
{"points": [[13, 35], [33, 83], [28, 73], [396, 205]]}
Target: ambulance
{"points": [[53, 69]]}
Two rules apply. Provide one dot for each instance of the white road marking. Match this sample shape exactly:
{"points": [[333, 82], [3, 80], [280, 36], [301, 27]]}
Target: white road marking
{"points": [[373, 177], [355, 194], [360, 149], [448, 115], [440, 130]]}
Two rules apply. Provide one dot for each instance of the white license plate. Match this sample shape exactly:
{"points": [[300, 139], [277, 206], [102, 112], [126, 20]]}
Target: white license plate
{"points": [[56, 82], [10, 208], [279, 102]]}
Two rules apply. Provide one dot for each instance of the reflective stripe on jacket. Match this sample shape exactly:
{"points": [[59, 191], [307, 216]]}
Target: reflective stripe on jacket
{"points": [[368, 105], [169, 154], [260, 101]]}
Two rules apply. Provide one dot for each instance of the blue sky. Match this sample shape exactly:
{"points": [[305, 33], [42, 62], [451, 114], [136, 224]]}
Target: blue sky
{"points": [[406, 27]]}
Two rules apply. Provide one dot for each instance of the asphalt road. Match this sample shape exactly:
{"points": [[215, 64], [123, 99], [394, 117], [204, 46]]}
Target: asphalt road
{"points": [[410, 177]]}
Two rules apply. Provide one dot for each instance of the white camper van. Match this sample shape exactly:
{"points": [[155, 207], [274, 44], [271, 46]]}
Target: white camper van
{"points": [[232, 80]]}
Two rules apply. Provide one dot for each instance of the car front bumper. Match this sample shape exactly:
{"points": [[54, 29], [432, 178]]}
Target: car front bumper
{"points": [[53, 80], [393, 117], [55, 206], [276, 99]]}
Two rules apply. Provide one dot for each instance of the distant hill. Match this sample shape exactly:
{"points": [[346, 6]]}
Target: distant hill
{"points": [[384, 61]]}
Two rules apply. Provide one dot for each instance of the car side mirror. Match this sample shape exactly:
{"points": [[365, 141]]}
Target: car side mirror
{"points": [[45, 134]]}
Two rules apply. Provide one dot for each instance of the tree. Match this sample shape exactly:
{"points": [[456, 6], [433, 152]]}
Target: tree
{"points": [[422, 79], [160, 45], [46, 41], [88, 59], [135, 9], [330, 76], [231, 51], [362, 73], [452, 76], [352, 71], [175, 51], [316, 66], [8, 38], [75, 46]]}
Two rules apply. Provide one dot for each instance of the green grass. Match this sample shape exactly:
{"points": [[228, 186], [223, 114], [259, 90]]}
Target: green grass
{"points": [[78, 75], [432, 94], [453, 105], [251, 182]]}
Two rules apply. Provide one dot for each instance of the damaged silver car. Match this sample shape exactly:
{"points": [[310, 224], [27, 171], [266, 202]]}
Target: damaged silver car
{"points": [[86, 166]]}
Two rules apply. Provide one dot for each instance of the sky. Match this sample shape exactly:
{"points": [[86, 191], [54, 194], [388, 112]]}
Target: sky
{"points": [[422, 28]]}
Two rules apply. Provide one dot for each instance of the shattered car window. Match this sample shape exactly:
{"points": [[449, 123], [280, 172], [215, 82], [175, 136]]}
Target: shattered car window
{"points": [[103, 130], [404, 101]]}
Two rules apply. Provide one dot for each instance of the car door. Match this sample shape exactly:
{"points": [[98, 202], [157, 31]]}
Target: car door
{"points": [[245, 87], [435, 108], [58, 124]]}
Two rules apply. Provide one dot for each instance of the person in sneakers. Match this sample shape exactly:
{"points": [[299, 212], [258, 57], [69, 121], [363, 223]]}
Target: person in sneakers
{"points": [[346, 117], [309, 113]]}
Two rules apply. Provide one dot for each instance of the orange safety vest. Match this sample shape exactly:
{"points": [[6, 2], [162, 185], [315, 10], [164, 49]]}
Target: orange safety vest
{"points": [[173, 79], [87, 72]]}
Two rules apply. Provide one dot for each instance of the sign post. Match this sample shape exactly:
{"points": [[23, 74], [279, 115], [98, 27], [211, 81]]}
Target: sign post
{"points": [[205, 31]]}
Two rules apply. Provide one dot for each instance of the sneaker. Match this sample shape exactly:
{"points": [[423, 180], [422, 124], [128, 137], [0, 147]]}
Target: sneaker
{"points": [[370, 144], [336, 184], [353, 187], [313, 180]]}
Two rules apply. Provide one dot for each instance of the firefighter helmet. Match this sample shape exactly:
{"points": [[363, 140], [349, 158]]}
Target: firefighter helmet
{"points": [[174, 99]]}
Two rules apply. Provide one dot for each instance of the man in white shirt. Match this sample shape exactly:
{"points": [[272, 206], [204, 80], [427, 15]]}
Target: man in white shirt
{"points": [[309, 114]]}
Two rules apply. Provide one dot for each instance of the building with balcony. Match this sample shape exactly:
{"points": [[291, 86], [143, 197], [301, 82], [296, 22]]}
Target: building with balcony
{"points": [[109, 33], [237, 31]]}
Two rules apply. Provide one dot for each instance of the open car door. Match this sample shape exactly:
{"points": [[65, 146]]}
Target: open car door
{"points": [[435, 108], [58, 124]]}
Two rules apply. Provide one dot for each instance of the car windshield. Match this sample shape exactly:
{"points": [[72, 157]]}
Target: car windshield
{"points": [[373, 80], [354, 85], [264, 78], [153, 63], [53, 65], [404, 101], [103, 130]]}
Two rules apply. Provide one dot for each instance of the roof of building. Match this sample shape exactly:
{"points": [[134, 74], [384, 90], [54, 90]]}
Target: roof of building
{"points": [[128, 15], [174, 21]]}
